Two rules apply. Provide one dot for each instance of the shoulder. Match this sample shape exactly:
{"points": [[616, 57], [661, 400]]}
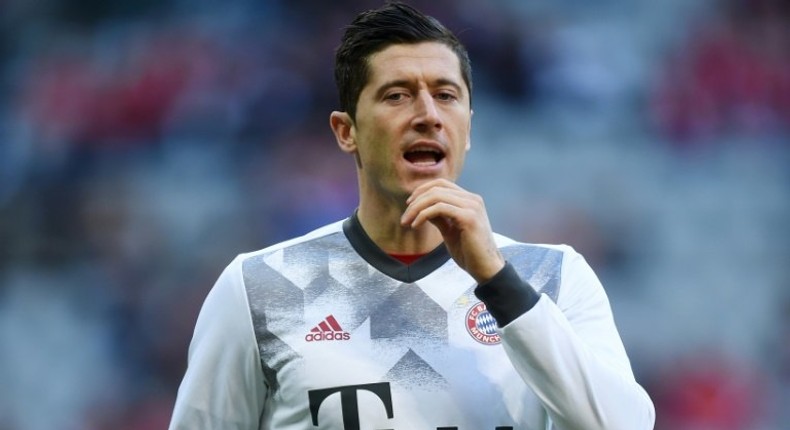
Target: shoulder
{"points": [[506, 243], [288, 262], [547, 267], [315, 235]]}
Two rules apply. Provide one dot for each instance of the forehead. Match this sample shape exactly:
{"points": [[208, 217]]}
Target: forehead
{"points": [[428, 61]]}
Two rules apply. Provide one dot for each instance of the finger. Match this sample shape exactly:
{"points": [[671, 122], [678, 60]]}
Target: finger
{"points": [[457, 216], [443, 224], [415, 215], [442, 213], [458, 198], [435, 183]]}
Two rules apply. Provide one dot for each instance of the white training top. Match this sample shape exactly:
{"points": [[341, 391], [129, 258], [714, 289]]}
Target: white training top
{"points": [[327, 332]]}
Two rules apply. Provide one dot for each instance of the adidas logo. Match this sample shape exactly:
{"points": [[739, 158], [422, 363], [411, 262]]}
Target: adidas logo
{"points": [[328, 329]]}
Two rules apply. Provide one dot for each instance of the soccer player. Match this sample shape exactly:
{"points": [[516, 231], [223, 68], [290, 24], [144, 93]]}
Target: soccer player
{"points": [[411, 314]]}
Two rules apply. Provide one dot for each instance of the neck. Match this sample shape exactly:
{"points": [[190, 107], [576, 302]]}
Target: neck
{"points": [[382, 224]]}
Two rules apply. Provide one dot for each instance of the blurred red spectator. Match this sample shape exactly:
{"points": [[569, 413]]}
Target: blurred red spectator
{"points": [[733, 76], [81, 97], [707, 391]]}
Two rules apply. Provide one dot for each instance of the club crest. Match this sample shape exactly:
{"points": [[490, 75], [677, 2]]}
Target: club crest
{"points": [[481, 325]]}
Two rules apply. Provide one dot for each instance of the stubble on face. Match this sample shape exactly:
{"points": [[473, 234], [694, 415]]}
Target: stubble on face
{"points": [[413, 120]]}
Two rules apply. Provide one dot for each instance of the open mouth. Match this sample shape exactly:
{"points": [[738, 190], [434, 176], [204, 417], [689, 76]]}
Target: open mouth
{"points": [[424, 156]]}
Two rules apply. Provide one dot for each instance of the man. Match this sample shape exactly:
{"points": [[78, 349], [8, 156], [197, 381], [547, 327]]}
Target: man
{"points": [[410, 314]]}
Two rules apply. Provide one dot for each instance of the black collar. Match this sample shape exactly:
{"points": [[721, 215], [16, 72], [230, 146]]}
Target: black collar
{"points": [[391, 267]]}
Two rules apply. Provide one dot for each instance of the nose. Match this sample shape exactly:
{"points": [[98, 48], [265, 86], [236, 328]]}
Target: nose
{"points": [[426, 113]]}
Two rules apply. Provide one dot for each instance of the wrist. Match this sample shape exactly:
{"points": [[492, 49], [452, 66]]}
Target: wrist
{"points": [[488, 271], [507, 296]]}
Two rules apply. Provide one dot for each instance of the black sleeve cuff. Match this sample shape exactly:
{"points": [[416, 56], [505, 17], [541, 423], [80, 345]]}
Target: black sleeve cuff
{"points": [[507, 296]]}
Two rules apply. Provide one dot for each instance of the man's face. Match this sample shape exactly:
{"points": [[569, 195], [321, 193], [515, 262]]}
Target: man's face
{"points": [[413, 120]]}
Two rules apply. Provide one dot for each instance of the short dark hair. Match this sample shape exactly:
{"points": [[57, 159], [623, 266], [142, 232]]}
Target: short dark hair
{"points": [[373, 31]]}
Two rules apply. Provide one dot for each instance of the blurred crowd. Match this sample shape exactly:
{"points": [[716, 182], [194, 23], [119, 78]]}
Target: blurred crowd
{"points": [[143, 144], [731, 77]]}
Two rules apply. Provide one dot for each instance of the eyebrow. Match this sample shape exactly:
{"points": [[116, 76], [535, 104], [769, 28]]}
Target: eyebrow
{"points": [[440, 82]]}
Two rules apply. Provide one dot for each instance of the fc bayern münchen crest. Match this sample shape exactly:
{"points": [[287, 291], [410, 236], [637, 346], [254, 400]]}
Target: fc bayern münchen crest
{"points": [[481, 325]]}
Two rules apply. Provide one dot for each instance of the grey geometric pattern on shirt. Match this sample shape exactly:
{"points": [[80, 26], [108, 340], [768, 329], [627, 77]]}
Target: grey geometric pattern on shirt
{"points": [[265, 286], [328, 269], [540, 266], [412, 370], [277, 304], [409, 313]]}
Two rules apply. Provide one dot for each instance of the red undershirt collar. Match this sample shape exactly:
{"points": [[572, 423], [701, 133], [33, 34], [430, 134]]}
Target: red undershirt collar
{"points": [[406, 258]]}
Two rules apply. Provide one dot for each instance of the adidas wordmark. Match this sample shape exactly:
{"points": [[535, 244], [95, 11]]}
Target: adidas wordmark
{"points": [[328, 329]]}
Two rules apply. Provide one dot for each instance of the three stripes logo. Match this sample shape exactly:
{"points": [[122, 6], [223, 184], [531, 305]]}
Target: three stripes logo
{"points": [[328, 329]]}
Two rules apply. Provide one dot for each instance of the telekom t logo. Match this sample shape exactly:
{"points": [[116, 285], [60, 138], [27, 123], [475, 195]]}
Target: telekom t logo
{"points": [[350, 406], [348, 401]]}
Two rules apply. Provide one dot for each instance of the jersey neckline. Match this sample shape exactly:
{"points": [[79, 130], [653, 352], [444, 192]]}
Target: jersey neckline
{"points": [[376, 257]]}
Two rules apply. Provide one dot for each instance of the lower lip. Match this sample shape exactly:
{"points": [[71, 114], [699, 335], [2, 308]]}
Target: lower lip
{"points": [[425, 168]]}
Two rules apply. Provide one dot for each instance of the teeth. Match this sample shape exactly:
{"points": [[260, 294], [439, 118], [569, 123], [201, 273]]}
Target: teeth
{"points": [[431, 150], [424, 156]]}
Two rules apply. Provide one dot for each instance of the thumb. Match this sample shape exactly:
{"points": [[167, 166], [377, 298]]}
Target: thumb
{"points": [[444, 225]]}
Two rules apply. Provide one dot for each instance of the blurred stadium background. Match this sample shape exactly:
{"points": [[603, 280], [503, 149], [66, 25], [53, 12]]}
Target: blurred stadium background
{"points": [[143, 144]]}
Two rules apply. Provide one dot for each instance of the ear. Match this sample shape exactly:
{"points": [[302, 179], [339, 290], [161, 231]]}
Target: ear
{"points": [[469, 133], [343, 128]]}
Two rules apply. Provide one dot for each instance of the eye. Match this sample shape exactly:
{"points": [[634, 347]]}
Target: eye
{"points": [[395, 96], [446, 96]]}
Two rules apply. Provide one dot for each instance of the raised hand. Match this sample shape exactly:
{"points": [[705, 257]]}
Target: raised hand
{"points": [[462, 219]]}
